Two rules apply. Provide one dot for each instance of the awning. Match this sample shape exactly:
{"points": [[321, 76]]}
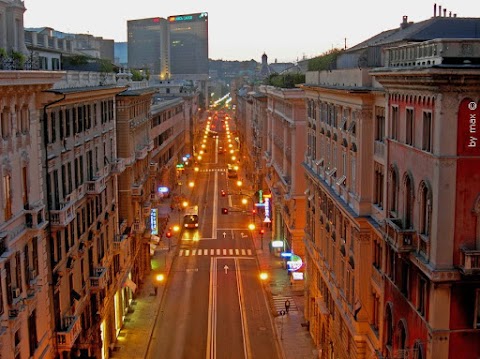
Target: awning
{"points": [[130, 284]]}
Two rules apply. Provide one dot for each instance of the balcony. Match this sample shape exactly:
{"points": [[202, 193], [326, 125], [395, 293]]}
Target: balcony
{"points": [[153, 168], [120, 242], [35, 217], [137, 189], [66, 213], [118, 166], [69, 332], [470, 261], [96, 185], [98, 280], [402, 240], [140, 154]]}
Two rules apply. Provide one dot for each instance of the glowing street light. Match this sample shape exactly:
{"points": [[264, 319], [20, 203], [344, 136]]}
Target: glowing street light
{"points": [[263, 276]]}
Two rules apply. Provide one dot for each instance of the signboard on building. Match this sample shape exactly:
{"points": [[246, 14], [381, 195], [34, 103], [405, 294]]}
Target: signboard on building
{"points": [[468, 131]]}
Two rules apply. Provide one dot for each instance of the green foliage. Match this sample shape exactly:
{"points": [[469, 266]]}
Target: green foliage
{"points": [[286, 80], [137, 75], [326, 61], [3, 53], [75, 60]]}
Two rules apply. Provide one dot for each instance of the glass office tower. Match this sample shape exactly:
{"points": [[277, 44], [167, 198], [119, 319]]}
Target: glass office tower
{"points": [[148, 46], [189, 44]]}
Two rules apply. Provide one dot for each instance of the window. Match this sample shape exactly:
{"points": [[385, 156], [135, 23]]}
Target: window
{"points": [[395, 122], [405, 279], [408, 202], [409, 127], [379, 123], [427, 132], [377, 254], [7, 197], [378, 183], [421, 295], [476, 323], [425, 209], [393, 193], [375, 311], [5, 125], [389, 327]]}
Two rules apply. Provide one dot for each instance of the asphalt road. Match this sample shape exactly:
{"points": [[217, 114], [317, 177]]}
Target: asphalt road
{"points": [[214, 305]]}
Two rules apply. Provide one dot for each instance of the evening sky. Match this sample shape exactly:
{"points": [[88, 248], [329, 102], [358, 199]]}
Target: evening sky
{"points": [[244, 30]]}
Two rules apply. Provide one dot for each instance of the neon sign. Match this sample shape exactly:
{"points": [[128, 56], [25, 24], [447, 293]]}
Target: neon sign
{"points": [[153, 221], [295, 263]]}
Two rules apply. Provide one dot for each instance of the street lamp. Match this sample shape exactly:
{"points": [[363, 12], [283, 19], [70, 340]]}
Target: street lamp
{"points": [[159, 278]]}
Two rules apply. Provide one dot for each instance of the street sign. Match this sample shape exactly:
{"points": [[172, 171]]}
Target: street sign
{"points": [[224, 234], [226, 269]]}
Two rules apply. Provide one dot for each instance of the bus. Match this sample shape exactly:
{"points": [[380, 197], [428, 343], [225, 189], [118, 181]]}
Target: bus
{"points": [[190, 218]]}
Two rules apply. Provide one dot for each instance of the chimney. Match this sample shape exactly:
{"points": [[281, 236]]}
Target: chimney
{"points": [[434, 10], [444, 12], [439, 10], [450, 14], [404, 23]]}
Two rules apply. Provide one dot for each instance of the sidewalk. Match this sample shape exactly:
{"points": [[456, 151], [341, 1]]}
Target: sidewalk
{"points": [[295, 340]]}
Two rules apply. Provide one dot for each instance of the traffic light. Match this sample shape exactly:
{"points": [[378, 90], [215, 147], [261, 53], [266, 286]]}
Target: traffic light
{"points": [[262, 231], [224, 210], [168, 234], [254, 211], [223, 193]]}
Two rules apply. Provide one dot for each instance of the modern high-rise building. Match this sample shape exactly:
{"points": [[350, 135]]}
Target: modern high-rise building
{"points": [[189, 44], [148, 46]]}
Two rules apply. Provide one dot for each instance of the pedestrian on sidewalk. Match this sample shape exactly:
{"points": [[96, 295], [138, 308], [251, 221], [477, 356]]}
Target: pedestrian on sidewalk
{"points": [[287, 305]]}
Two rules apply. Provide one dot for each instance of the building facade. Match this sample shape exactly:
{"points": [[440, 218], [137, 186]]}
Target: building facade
{"points": [[148, 46], [79, 139], [391, 267], [189, 44], [285, 129], [26, 323]]}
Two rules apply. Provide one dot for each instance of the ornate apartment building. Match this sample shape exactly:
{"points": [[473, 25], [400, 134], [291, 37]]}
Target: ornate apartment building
{"points": [[25, 327], [285, 133], [393, 188]]}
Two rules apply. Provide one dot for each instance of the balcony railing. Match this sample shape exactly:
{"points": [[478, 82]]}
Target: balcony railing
{"points": [[66, 213], [119, 243], [69, 332], [118, 166], [401, 239], [470, 261], [153, 168], [98, 280], [96, 185], [137, 189], [140, 154], [35, 217]]}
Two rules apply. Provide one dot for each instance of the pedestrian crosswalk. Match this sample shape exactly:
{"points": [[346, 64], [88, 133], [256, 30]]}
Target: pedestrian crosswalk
{"points": [[215, 252], [279, 303], [213, 170]]}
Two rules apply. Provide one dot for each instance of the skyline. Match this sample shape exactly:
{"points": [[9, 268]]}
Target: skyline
{"points": [[234, 36]]}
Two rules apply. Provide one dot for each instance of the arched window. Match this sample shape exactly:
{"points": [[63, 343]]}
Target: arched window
{"points": [[408, 202], [417, 350], [425, 209], [389, 326], [393, 192], [402, 341]]}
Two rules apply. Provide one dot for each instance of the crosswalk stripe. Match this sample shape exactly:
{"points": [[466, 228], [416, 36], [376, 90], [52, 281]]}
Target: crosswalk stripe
{"points": [[213, 252], [279, 303]]}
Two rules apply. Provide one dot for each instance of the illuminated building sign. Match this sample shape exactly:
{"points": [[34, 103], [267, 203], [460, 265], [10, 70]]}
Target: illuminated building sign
{"points": [[267, 210], [297, 275], [295, 263], [191, 17], [153, 221], [277, 244]]}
